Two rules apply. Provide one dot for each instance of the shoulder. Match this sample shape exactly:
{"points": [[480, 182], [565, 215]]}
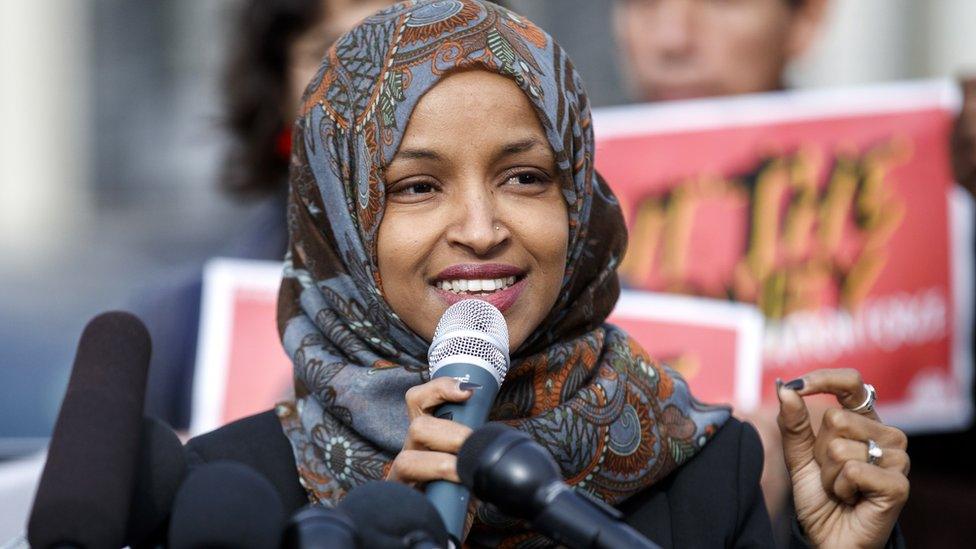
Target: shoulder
{"points": [[258, 442], [721, 483], [732, 457]]}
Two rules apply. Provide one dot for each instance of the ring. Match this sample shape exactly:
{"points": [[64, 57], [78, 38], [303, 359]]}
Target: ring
{"points": [[868, 405], [875, 452]]}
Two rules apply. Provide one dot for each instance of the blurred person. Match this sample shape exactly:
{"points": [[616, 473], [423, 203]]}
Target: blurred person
{"points": [[276, 46], [684, 49]]}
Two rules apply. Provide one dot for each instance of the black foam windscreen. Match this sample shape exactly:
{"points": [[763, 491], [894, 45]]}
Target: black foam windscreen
{"points": [[471, 454], [226, 504], [84, 492], [318, 527], [160, 469], [388, 515]]}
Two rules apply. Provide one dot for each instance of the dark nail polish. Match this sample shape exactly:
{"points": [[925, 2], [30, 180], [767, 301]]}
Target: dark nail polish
{"points": [[794, 385], [468, 386], [779, 384]]}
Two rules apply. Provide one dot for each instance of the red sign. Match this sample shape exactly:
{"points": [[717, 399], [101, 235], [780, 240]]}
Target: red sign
{"points": [[832, 212]]}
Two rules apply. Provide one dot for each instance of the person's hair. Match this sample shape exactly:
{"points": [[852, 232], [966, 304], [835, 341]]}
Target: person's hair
{"points": [[255, 89]]}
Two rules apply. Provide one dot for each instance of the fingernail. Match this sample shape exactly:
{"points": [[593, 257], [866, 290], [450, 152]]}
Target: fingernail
{"points": [[468, 386], [779, 385], [795, 384]]}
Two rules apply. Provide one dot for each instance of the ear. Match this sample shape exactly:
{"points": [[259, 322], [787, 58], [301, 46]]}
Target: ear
{"points": [[807, 21]]}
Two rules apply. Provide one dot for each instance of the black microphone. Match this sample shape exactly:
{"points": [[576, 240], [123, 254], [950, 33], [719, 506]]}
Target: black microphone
{"points": [[317, 527], [160, 468], [390, 515], [226, 504], [508, 469], [471, 345], [83, 496]]}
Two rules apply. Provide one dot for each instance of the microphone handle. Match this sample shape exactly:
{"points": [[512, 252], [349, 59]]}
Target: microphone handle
{"points": [[451, 499], [576, 522]]}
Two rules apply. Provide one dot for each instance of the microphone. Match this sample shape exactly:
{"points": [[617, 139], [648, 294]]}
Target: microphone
{"points": [[508, 469], [317, 527], [160, 469], [83, 496], [390, 515], [226, 504], [471, 345]]}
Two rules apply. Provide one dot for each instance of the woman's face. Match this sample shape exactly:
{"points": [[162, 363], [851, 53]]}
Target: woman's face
{"points": [[474, 208]]}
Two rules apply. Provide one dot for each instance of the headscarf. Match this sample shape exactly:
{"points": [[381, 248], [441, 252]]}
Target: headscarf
{"points": [[614, 420]]}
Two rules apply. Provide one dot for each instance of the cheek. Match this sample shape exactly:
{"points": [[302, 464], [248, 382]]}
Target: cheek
{"points": [[400, 253], [545, 231], [750, 53]]}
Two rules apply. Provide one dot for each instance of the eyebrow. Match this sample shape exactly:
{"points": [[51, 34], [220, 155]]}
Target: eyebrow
{"points": [[416, 154], [519, 146], [515, 147]]}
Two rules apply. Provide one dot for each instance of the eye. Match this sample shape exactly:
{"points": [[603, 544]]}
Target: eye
{"points": [[525, 178], [412, 191], [416, 188]]}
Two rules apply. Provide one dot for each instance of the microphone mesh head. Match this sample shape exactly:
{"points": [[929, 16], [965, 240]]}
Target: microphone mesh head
{"points": [[471, 328]]}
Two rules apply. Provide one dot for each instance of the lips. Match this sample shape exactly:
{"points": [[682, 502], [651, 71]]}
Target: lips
{"points": [[495, 283]]}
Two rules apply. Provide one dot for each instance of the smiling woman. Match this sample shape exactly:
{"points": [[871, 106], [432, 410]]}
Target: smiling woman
{"points": [[445, 150]]}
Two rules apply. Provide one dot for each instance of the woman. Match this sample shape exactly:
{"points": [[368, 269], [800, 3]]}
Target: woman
{"points": [[445, 151]]}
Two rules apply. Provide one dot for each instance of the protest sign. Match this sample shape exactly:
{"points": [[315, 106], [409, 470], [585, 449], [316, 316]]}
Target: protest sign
{"points": [[834, 212]]}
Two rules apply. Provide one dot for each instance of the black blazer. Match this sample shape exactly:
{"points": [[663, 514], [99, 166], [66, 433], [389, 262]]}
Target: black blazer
{"points": [[713, 500]]}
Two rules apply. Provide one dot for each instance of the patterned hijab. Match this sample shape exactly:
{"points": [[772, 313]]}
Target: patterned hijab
{"points": [[615, 421]]}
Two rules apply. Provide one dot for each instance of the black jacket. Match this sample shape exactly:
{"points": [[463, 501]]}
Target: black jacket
{"points": [[713, 500]]}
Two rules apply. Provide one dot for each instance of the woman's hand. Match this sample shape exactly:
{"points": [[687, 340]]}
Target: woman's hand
{"points": [[430, 449], [841, 499]]}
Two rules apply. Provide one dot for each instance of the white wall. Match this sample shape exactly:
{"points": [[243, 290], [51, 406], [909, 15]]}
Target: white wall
{"points": [[878, 40], [44, 148]]}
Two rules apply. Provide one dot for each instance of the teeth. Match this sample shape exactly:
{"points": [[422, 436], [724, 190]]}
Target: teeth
{"points": [[482, 285]]}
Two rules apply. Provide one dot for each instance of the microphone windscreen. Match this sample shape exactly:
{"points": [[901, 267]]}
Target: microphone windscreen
{"points": [[472, 453], [160, 468], [318, 527], [226, 504], [386, 513], [85, 488]]}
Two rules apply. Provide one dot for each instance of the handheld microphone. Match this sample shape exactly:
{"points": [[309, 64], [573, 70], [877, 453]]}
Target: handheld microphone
{"points": [[508, 469], [390, 515], [160, 469], [317, 527], [471, 345], [84, 493], [226, 504]]}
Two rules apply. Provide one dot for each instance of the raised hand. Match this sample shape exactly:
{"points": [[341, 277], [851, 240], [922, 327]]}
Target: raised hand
{"points": [[844, 497]]}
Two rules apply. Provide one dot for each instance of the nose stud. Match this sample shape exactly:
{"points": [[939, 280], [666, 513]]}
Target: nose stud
{"points": [[497, 228]]}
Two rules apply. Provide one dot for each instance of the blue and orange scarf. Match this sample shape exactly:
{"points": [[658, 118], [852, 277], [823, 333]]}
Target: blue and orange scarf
{"points": [[615, 420]]}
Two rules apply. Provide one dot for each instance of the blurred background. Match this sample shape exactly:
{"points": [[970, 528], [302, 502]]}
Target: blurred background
{"points": [[113, 146]]}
